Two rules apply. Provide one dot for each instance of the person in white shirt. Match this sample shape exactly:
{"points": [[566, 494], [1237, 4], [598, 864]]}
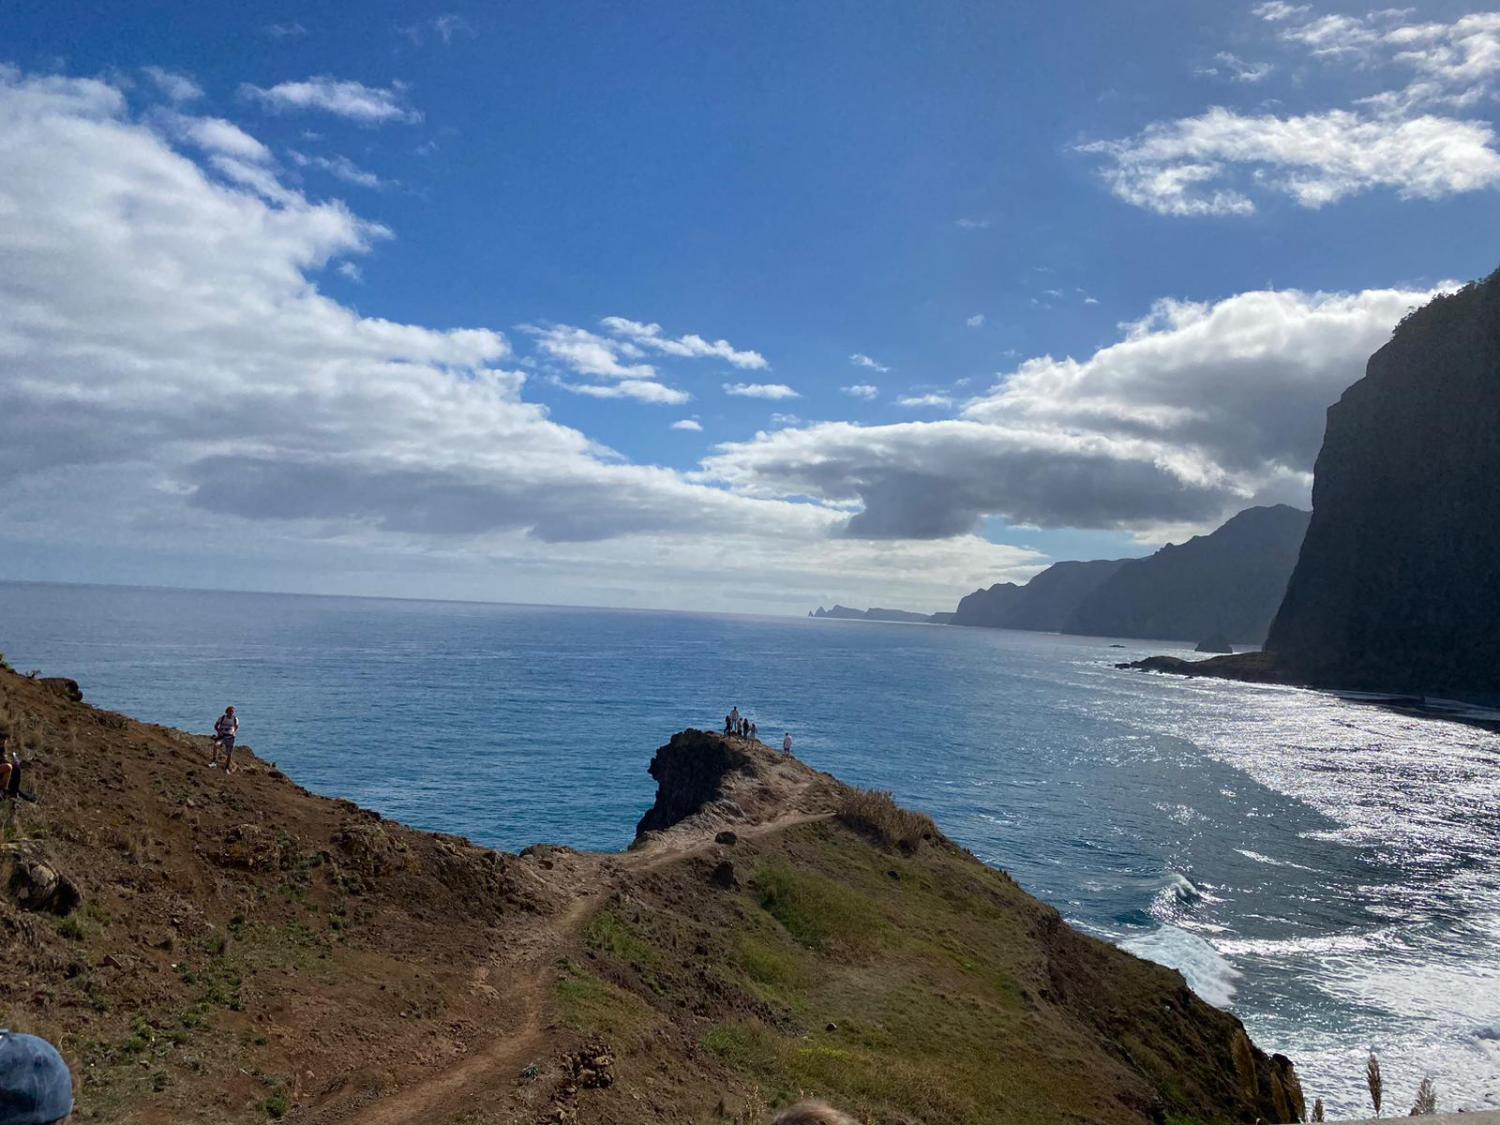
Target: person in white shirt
{"points": [[224, 732], [786, 743]]}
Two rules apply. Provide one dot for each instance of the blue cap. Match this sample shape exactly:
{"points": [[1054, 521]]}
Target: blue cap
{"points": [[35, 1085]]}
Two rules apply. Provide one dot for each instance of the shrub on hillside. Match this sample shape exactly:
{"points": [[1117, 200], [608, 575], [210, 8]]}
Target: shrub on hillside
{"points": [[875, 813]]}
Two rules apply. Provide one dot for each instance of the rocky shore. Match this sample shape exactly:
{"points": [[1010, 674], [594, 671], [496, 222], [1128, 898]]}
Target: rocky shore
{"points": [[218, 948]]}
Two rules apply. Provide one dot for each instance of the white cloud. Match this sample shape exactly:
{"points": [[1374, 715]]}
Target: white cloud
{"points": [[284, 30], [926, 400], [1206, 165], [975, 321], [215, 135], [450, 24], [1229, 65], [861, 360], [177, 87], [446, 27], [340, 167], [692, 425], [590, 354], [172, 378], [688, 347], [1200, 409], [861, 390], [972, 224], [641, 390], [760, 390], [368, 105], [1218, 161], [351, 271]]}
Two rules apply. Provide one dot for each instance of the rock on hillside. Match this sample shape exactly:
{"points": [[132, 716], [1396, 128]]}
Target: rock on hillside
{"points": [[1227, 583], [1395, 587]]}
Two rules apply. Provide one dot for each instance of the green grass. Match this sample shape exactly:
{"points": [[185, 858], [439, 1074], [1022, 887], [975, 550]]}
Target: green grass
{"points": [[816, 911], [598, 1008], [606, 933]]}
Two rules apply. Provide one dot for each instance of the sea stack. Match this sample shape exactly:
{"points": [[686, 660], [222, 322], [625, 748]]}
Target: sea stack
{"points": [[1395, 586]]}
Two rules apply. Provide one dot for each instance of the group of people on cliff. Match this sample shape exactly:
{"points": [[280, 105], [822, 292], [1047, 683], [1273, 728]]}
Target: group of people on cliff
{"points": [[737, 725]]}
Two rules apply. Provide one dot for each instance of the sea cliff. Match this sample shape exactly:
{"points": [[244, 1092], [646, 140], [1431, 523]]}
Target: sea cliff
{"points": [[1394, 590], [233, 948]]}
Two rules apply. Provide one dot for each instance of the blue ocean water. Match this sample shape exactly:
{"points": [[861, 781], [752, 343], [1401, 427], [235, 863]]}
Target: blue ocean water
{"points": [[1328, 870]]}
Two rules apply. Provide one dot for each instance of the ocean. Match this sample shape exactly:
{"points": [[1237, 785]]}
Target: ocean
{"points": [[1326, 869]]}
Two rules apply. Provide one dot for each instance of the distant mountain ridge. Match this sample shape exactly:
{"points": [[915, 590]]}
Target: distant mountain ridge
{"points": [[1228, 583]]}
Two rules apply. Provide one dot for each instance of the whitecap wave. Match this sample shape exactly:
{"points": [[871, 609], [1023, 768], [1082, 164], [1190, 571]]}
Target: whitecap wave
{"points": [[1258, 858], [1207, 973]]}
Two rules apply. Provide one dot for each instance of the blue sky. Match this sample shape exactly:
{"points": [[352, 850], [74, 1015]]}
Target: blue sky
{"points": [[1105, 264]]}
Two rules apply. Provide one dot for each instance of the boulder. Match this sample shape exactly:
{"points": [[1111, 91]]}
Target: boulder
{"points": [[33, 882]]}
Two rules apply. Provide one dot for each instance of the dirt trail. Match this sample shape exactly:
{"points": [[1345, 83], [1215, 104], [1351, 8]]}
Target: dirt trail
{"points": [[497, 1064]]}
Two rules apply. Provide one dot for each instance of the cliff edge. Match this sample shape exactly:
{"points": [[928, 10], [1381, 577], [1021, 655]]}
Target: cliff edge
{"points": [[218, 948]]}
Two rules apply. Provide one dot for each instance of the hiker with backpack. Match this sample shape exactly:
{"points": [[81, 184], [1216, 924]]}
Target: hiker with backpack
{"points": [[11, 793], [224, 733]]}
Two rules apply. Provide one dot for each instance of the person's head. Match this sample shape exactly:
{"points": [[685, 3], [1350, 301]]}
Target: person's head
{"points": [[35, 1085], [812, 1113], [229, 710]]}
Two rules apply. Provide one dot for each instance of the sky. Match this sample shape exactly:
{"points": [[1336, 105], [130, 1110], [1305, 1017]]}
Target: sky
{"points": [[724, 307]]}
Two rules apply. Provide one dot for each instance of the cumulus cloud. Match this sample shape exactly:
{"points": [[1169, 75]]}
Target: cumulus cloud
{"points": [[1216, 162], [975, 321], [760, 390], [368, 105], [171, 378], [861, 390], [215, 135], [1200, 409], [690, 424], [589, 354], [925, 400], [176, 87], [859, 359], [1206, 165]]}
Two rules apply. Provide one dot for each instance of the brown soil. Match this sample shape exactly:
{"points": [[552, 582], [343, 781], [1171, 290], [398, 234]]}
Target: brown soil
{"points": [[231, 948]]}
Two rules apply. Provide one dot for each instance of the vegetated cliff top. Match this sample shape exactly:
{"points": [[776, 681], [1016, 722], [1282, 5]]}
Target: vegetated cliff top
{"points": [[234, 948]]}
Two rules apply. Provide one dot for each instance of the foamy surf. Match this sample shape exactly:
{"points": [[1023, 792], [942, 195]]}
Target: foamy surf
{"points": [[1206, 971]]}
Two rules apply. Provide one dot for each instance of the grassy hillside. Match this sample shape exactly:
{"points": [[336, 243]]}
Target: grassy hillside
{"points": [[218, 948]]}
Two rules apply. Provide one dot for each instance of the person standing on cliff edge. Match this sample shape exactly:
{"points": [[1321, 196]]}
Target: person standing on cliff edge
{"points": [[786, 744], [224, 733]]}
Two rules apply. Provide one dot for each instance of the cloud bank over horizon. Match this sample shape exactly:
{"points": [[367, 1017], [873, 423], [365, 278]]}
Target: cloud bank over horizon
{"points": [[173, 373]]}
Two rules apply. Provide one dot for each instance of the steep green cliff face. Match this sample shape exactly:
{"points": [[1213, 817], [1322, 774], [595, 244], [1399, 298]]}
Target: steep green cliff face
{"points": [[1395, 588]]}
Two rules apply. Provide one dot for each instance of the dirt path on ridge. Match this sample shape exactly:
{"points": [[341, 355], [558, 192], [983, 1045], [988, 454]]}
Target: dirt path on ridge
{"points": [[499, 1062]]}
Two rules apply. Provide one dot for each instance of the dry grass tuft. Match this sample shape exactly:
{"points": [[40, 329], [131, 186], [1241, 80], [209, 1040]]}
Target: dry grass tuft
{"points": [[875, 813], [1426, 1103], [1372, 1080]]}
